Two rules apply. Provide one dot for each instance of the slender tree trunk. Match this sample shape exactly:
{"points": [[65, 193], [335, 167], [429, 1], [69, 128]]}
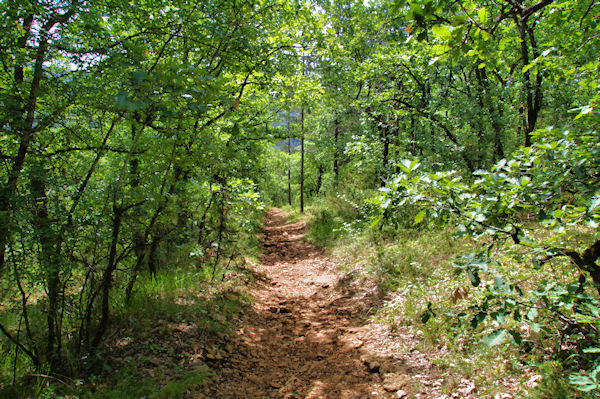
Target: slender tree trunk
{"points": [[320, 179], [118, 213], [531, 91], [153, 255], [385, 136], [107, 276], [302, 161], [494, 110], [49, 244], [142, 239], [202, 224], [139, 238], [413, 127], [25, 128], [220, 236], [336, 137], [289, 171]]}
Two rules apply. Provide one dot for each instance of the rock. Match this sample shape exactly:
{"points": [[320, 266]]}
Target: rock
{"points": [[254, 379], [395, 382], [280, 310], [401, 394], [373, 365], [349, 394], [356, 344]]}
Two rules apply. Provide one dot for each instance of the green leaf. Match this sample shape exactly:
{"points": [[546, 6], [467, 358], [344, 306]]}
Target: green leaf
{"points": [[483, 15], [515, 337], [557, 213], [441, 32], [408, 165], [473, 276], [139, 76], [501, 285], [478, 318], [385, 204], [495, 338], [528, 67], [532, 314], [582, 382], [121, 99], [585, 111], [427, 314], [499, 317], [591, 350], [419, 217]]}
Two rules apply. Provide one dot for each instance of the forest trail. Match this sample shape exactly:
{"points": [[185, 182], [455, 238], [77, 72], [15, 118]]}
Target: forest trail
{"points": [[307, 332]]}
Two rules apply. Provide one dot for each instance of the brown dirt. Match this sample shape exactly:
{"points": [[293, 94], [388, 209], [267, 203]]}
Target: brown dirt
{"points": [[307, 333]]}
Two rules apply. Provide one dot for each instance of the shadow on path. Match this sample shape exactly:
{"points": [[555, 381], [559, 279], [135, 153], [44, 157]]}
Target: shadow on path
{"points": [[304, 335]]}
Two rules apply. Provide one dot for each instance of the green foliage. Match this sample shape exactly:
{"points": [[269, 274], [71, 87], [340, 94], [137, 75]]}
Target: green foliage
{"points": [[139, 139], [132, 141], [132, 385], [338, 214], [543, 201]]}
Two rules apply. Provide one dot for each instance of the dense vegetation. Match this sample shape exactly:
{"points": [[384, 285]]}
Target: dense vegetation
{"points": [[144, 137]]}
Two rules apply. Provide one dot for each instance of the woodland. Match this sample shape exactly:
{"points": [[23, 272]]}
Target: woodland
{"points": [[448, 150]]}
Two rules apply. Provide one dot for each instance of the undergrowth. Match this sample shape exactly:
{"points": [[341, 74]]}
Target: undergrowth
{"points": [[146, 352], [415, 267]]}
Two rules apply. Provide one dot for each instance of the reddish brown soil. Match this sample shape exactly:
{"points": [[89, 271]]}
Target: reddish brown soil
{"points": [[307, 333]]}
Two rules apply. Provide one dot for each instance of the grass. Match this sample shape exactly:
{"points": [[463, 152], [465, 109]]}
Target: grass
{"points": [[153, 340], [414, 266], [131, 384], [156, 336]]}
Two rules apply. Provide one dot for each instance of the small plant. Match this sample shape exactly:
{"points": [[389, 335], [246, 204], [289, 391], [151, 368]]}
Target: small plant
{"points": [[541, 207], [588, 381]]}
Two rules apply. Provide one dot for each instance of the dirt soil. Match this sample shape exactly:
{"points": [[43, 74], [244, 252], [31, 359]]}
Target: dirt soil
{"points": [[308, 333]]}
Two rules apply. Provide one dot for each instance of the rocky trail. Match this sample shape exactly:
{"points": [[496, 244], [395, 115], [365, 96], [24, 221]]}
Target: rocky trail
{"points": [[307, 333]]}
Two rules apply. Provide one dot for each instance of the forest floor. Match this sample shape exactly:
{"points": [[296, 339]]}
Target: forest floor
{"points": [[308, 334]]}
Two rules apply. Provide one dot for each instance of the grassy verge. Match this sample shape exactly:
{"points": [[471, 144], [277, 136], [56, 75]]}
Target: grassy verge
{"points": [[157, 346], [415, 267], [159, 343]]}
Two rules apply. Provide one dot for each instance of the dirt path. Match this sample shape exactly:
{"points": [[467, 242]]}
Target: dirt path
{"points": [[307, 334]]}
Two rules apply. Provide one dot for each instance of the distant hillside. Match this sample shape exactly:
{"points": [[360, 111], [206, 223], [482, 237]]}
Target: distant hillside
{"points": [[283, 145]]}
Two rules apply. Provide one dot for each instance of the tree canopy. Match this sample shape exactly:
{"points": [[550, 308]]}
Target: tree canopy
{"points": [[136, 132]]}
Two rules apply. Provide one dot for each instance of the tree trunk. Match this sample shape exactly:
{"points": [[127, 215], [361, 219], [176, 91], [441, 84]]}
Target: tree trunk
{"points": [[50, 264], [532, 92], [26, 132], [336, 136], [289, 171], [302, 161], [385, 136], [107, 276], [320, 179]]}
